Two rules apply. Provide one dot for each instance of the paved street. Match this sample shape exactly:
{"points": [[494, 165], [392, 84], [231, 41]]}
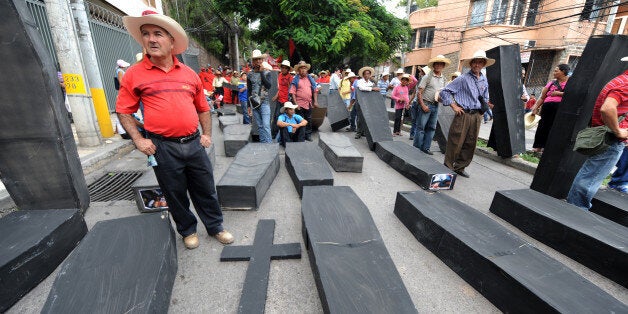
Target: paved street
{"points": [[205, 285]]}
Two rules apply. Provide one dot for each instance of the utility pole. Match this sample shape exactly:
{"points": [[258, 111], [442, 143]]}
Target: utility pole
{"points": [[70, 61], [236, 52], [91, 67]]}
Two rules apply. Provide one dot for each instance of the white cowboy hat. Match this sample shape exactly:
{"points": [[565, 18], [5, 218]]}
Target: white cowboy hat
{"points": [[399, 71], [480, 54], [256, 54], [134, 23], [302, 64], [426, 70], [347, 70], [322, 72], [624, 58], [123, 64], [439, 58], [530, 120], [285, 63], [361, 71], [293, 72], [350, 75], [287, 105], [406, 76]]}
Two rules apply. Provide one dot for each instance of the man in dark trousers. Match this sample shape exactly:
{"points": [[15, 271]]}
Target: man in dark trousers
{"points": [[174, 104]]}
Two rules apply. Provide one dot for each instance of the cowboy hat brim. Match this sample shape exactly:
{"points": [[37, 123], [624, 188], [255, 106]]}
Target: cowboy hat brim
{"points": [[530, 120], [302, 65], [467, 62], [283, 109], [430, 63], [361, 71], [134, 23]]}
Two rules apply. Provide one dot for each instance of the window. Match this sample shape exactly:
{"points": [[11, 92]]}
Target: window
{"points": [[426, 36], [412, 43], [591, 10], [478, 10], [532, 11], [517, 12], [498, 16]]}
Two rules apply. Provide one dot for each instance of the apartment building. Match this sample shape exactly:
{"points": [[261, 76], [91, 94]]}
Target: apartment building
{"points": [[548, 32]]}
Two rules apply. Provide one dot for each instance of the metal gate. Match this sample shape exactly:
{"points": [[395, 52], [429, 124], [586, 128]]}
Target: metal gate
{"points": [[539, 69], [38, 10]]}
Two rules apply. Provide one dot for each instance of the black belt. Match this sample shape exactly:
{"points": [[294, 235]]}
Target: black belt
{"points": [[472, 111], [180, 140]]}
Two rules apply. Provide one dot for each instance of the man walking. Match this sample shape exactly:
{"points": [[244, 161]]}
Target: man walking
{"points": [[303, 91], [258, 84], [427, 114], [465, 96], [174, 104]]}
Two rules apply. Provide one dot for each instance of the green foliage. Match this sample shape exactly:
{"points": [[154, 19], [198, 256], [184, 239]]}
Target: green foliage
{"points": [[421, 4], [325, 31]]}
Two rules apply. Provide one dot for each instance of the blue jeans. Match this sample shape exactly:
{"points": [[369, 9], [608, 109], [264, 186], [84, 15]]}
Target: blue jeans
{"points": [[425, 127], [245, 112], [262, 117], [353, 116], [591, 175], [488, 114], [414, 113], [620, 176]]}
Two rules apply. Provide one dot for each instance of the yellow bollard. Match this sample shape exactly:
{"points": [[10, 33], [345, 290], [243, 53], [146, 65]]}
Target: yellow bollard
{"points": [[102, 112]]}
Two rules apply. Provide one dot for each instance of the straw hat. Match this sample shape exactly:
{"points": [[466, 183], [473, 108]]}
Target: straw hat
{"points": [[285, 63], [530, 120], [439, 58], [347, 70], [302, 64], [406, 76], [287, 105], [399, 71], [293, 72], [322, 72], [480, 54], [426, 70], [123, 64], [256, 54], [361, 71], [456, 74], [134, 23], [350, 75]]}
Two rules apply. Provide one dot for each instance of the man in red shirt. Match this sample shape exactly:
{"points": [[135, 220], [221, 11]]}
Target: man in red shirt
{"points": [[303, 91], [610, 104], [283, 86], [174, 104]]}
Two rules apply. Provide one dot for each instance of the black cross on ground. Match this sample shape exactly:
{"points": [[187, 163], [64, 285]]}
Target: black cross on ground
{"points": [[253, 299]]}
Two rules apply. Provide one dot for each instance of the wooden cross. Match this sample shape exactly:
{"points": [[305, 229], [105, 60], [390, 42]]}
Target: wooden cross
{"points": [[253, 299]]}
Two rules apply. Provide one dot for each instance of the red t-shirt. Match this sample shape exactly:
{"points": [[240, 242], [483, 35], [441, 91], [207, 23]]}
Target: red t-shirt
{"points": [[283, 85], [617, 89], [172, 101], [530, 103], [322, 80]]}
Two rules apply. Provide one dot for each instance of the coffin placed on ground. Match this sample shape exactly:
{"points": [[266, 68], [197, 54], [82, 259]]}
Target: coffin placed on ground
{"points": [[352, 268], [612, 205], [306, 165], [337, 112], [340, 152], [249, 176], [599, 63], [372, 112], [224, 121], [416, 165], [235, 137], [588, 238], [504, 84], [511, 273], [39, 160], [32, 244], [123, 265], [226, 111]]}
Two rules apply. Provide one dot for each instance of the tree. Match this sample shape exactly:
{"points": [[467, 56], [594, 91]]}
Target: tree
{"points": [[326, 32], [421, 4]]}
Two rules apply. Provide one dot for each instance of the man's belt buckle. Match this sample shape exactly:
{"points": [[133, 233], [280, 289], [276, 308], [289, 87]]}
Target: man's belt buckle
{"points": [[188, 138]]}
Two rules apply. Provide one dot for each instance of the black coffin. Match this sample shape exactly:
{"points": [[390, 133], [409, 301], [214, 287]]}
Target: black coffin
{"points": [[39, 161], [235, 137], [611, 205], [306, 165], [340, 152], [224, 121], [445, 118], [32, 244], [337, 112], [372, 112], [123, 265], [352, 268], [504, 85], [414, 164], [591, 240], [244, 184], [511, 273], [600, 62]]}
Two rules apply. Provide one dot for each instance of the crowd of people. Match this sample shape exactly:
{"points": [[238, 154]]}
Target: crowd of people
{"points": [[174, 100]]}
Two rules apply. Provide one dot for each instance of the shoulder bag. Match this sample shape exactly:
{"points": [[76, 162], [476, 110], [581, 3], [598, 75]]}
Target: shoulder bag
{"points": [[595, 140]]}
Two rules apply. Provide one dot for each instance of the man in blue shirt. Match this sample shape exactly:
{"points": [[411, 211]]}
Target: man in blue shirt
{"points": [[465, 96], [290, 125]]}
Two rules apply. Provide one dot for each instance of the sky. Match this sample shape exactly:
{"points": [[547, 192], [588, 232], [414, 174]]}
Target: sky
{"points": [[391, 6]]}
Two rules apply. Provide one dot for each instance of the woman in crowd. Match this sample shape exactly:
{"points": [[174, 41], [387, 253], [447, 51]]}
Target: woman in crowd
{"points": [[547, 104]]}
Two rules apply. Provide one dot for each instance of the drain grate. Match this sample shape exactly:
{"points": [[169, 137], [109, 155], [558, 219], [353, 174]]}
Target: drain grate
{"points": [[114, 186]]}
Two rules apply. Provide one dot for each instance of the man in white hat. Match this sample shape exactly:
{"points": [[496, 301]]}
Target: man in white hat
{"points": [[465, 95], [427, 114], [303, 91], [611, 103], [364, 84], [174, 104], [259, 83], [283, 87], [290, 125]]}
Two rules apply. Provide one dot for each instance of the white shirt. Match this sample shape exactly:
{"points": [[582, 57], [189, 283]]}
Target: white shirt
{"points": [[334, 81], [365, 86]]}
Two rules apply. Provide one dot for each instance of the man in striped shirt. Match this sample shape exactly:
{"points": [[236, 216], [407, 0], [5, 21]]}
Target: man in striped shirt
{"points": [[465, 96]]}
